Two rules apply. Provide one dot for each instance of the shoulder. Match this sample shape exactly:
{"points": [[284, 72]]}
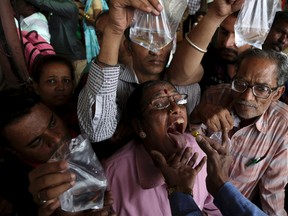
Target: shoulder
{"points": [[279, 110], [123, 155]]}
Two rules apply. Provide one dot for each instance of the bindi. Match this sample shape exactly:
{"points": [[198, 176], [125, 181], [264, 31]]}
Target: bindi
{"points": [[165, 91]]}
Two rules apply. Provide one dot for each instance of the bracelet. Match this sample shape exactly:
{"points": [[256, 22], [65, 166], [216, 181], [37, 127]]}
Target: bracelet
{"points": [[87, 16], [193, 45], [185, 190]]}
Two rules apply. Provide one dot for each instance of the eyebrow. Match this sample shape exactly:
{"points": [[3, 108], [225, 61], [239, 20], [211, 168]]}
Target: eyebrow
{"points": [[32, 141]]}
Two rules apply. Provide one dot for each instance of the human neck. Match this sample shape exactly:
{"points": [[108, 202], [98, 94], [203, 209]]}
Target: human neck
{"points": [[143, 77]]}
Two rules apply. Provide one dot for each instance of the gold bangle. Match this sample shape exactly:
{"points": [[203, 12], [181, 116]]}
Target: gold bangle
{"points": [[193, 45], [87, 16]]}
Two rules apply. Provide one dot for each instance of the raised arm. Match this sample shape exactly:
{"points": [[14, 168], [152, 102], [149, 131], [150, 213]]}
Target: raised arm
{"points": [[97, 108], [185, 67]]}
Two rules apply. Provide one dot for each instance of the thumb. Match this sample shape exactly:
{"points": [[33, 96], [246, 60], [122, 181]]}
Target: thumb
{"points": [[158, 158]]}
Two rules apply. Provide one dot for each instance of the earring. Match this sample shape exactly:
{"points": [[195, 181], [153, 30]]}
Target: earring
{"points": [[142, 135], [171, 111]]}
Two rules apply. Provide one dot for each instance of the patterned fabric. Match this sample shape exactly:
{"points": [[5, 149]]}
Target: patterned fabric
{"points": [[138, 186], [193, 6], [91, 41], [267, 136], [108, 95]]}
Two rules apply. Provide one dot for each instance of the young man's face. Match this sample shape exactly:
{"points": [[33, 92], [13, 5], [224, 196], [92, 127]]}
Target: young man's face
{"points": [[36, 136], [147, 63], [277, 39], [226, 41]]}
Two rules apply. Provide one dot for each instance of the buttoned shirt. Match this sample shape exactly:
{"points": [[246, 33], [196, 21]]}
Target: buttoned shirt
{"points": [[268, 137], [139, 188], [106, 92]]}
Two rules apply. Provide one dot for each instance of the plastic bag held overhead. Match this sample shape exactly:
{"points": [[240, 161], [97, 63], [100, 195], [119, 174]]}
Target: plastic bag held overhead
{"points": [[254, 22], [155, 32]]}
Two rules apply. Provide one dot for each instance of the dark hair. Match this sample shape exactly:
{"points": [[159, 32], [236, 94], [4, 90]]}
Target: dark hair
{"points": [[279, 58], [37, 69], [280, 15], [16, 103]]}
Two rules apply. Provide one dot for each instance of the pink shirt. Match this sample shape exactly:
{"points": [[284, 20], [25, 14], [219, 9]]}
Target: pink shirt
{"points": [[267, 136], [138, 187]]}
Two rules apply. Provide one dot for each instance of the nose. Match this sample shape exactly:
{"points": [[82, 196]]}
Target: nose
{"points": [[174, 108], [230, 40], [53, 139], [248, 94], [60, 86], [155, 52]]}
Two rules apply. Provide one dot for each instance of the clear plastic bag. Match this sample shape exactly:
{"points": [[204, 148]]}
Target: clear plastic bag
{"points": [[88, 191], [254, 22], [155, 32]]}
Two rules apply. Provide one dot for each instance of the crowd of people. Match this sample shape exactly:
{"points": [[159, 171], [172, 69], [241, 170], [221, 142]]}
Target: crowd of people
{"points": [[203, 133]]}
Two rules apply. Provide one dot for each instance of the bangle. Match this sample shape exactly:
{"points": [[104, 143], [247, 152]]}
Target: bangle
{"points": [[193, 45], [185, 190]]}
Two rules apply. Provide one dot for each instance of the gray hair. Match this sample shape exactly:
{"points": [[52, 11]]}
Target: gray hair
{"points": [[280, 59]]}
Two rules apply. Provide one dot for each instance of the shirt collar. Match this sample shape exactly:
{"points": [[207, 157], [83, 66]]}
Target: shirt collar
{"points": [[148, 174], [128, 75]]}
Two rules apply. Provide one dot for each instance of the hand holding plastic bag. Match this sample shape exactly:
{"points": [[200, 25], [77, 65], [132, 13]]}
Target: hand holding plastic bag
{"points": [[254, 22], [155, 32], [88, 191]]}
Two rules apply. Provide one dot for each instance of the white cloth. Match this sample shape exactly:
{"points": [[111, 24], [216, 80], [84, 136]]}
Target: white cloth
{"points": [[36, 22]]}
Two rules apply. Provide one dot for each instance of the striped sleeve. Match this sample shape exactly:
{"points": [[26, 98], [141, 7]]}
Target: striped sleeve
{"points": [[97, 108]]}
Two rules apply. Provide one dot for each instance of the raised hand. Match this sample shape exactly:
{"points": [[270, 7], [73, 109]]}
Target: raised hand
{"points": [[218, 160], [181, 169]]}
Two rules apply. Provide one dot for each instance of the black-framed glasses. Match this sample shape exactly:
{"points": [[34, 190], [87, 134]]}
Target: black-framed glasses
{"points": [[164, 102], [261, 91]]}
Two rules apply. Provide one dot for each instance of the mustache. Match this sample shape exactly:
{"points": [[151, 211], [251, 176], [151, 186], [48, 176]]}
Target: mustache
{"points": [[228, 50], [245, 103]]}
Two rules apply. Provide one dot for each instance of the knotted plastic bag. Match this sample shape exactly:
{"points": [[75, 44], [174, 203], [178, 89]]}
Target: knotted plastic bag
{"points": [[254, 22], [155, 32], [88, 191]]}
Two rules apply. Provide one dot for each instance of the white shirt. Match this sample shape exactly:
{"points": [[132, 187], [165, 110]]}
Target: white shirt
{"points": [[36, 22]]}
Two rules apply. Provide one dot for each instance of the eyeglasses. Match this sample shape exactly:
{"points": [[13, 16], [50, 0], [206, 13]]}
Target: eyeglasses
{"points": [[164, 102], [261, 91]]}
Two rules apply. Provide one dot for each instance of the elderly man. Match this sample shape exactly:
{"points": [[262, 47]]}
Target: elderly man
{"points": [[257, 121]]}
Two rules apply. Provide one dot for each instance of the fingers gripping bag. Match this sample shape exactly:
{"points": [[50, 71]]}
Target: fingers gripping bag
{"points": [[254, 22], [88, 191], [155, 32]]}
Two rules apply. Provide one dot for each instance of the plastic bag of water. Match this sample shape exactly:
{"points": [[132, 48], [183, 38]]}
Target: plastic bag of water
{"points": [[88, 191], [155, 32], [254, 22]]}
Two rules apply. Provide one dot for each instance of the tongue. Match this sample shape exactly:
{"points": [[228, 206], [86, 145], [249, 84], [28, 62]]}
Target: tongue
{"points": [[177, 138]]}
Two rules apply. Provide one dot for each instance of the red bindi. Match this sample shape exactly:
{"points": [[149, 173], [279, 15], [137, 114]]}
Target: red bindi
{"points": [[165, 91]]}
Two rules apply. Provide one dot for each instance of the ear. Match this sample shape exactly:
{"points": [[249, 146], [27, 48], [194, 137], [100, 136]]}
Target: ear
{"points": [[279, 93], [36, 87], [137, 127], [127, 45]]}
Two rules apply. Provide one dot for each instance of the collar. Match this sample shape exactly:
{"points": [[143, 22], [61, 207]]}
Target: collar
{"points": [[261, 123], [148, 174], [128, 75]]}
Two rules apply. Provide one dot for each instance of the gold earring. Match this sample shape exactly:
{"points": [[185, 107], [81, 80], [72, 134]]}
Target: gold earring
{"points": [[142, 135]]}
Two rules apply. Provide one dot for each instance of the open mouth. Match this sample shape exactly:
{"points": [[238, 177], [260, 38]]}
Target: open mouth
{"points": [[175, 133], [177, 126]]}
